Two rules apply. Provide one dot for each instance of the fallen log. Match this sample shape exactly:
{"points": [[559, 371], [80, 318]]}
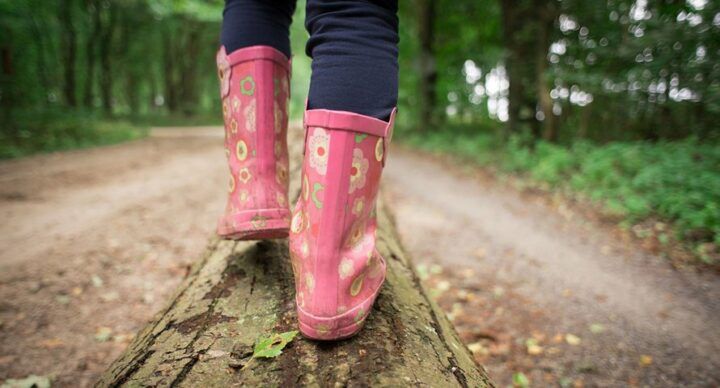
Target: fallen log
{"points": [[241, 291]]}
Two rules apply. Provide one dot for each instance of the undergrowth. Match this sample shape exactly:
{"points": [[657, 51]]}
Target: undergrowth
{"points": [[29, 134], [676, 181]]}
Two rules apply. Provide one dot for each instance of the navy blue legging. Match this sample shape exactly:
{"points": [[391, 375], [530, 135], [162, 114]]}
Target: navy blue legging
{"points": [[353, 46]]}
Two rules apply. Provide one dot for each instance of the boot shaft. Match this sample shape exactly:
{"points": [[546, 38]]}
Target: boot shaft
{"points": [[338, 270], [254, 87]]}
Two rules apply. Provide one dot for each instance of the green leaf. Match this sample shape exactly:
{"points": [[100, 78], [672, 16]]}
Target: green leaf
{"points": [[32, 381], [272, 346], [520, 380]]}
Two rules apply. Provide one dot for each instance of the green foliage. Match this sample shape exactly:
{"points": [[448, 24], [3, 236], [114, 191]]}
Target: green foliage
{"points": [[678, 181], [32, 381], [34, 133], [520, 380], [272, 346]]}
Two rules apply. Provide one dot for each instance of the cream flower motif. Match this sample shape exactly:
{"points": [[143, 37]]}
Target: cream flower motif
{"points": [[357, 233], [250, 117], [231, 186], [241, 150], [304, 248], [258, 222], [345, 268], [322, 329], [298, 222], [359, 315], [358, 206], [281, 174], [243, 195], [285, 86], [244, 175], [278, 118], [224, 71], [357, 284], [379, 149], [358, 171], [309, 282], [305, 188], [235, 104], [374, 268], [280, 198], [318, 147]]}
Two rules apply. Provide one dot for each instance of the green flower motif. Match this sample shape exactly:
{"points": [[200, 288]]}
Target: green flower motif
{"points": [[247, 86], [360, 137], [317, 187], [359, 316]]}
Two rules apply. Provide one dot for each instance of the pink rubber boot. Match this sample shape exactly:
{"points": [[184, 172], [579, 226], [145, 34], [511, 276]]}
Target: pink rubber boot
{"points": [[254, 91], [338, 271]]}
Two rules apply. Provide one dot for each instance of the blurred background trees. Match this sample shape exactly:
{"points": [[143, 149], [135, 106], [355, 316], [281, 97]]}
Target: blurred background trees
{"points": [[556, 70], [560, 70], [533, 86]]}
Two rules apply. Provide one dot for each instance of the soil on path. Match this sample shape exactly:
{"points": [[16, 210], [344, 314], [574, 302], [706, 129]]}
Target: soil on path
{"points": [[537, 288], [94, 242]]}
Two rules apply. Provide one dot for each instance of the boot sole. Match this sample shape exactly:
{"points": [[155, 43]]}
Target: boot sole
{"points": [[268, 224]]}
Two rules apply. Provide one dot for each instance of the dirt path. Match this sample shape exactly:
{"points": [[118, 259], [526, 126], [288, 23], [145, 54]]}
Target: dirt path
{"points": [[546, 273], [95, 241], [93, 244]]}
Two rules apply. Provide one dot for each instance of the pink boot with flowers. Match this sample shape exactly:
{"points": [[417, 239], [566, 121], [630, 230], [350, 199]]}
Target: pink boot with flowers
{"points": [[254, 87], [338, 271]]}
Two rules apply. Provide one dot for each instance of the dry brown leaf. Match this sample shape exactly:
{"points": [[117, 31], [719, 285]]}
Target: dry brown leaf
{"points": [[51, 343]]}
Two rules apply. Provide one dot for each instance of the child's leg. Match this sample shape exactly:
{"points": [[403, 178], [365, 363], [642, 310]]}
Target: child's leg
{"points": [[348, 123], [249, 23], [254, 72], [353, 45]]}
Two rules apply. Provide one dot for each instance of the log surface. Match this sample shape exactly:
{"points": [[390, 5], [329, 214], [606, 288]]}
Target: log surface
{"points": [[240, 291]]}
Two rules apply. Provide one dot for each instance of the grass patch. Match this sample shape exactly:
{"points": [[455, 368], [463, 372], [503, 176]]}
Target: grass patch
{"points": [[30, 134], [676, 181]]}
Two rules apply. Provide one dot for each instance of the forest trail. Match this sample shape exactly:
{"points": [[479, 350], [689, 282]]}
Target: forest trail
{"points": [[556, 273], [95, 241]]}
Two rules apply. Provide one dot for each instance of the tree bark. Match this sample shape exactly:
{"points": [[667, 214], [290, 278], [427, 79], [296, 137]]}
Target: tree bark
{"points": [[428, 67], [188, 78], [526, 37], [106, 76], [169, 70], [240, 291], [69, 51], [93, 8], [546, 18]]}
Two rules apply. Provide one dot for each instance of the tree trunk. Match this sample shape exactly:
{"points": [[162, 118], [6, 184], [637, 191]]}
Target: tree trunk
{"points": [[69, 50], [188, 79], [106, 76], [90, 53], [428, 68], [169, 71], [515, 63], [526, 37], [546, 18], [240, 291]]}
